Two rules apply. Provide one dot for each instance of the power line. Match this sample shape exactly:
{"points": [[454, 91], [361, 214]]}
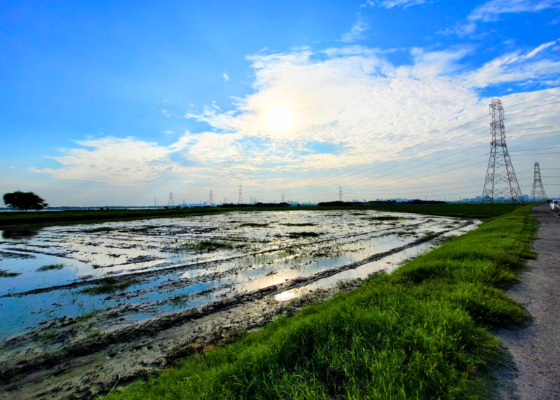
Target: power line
{"points": [[538, 105]]}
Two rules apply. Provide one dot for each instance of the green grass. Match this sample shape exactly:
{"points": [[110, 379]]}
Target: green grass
{"points": [[50, 267], [384, 218], [302, 224], [107, 286], [97, 230], [297, 235], [253, 225], [6, 274], [419, 333], [206, 246]]}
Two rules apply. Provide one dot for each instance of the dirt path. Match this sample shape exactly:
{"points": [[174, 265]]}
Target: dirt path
{"points": [[534, 373]]}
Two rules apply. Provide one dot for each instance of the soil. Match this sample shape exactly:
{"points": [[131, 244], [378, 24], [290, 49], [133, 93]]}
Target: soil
{"points": [[533, 370]]}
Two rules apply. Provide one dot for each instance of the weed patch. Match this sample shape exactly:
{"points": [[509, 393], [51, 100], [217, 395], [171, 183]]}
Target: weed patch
{"points": [[50, 267], [99, 230], [6, 274], [297, 235], [302, 224], [205, 246], [107, 286], [384, 218], [253, 225]]}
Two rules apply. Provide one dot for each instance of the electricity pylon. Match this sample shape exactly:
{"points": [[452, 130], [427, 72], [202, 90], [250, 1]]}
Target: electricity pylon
{"points": [[240, 198], [340, 194], [501, 182], [211, 199], [538, 193], [170, 202], [282, 197]]}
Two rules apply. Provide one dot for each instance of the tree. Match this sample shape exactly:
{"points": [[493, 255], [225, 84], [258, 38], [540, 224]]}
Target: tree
{"points": [[24, 201]]}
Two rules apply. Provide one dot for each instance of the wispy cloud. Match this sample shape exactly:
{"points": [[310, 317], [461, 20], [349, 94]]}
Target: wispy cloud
{"points": [[226, 76], [356, 33], [492, 10], [395, 3], [168, 132], [121, 161]]}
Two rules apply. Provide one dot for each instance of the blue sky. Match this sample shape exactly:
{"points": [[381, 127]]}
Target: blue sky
{"points": [[107, 103]]}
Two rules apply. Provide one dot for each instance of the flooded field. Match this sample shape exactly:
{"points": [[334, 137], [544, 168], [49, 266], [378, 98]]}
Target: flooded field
{"points": [[93, 306]]}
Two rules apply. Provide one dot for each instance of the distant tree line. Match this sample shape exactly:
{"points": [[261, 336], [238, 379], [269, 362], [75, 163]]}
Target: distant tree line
{"points": [[264, 205], [381, 202]]}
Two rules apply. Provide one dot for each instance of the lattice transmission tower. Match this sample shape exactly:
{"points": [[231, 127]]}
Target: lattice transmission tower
{"points": [[501, 182], [538, 193], [240, 197], [340, 194], [211, 198], [170, 202]]}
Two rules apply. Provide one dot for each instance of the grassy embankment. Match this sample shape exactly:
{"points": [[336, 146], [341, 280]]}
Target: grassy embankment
{"points": [[97, 216], [418, 333]]}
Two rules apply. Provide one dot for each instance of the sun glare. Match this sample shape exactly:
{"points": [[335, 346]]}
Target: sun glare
{"points": [[279, 117]]}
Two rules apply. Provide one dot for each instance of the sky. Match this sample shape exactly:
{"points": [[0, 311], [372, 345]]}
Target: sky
{"points": [[120, 102]]}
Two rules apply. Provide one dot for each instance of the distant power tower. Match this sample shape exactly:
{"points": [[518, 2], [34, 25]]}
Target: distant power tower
{"points": [[171, 202], [283, 198], [225, 200], [211, 198], [501, 182], [538, 192], [340, 194], [240, 198]]}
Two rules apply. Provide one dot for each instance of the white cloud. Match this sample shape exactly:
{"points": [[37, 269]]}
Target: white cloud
{"points": [[168, 132], [356, 33], [493, 9], [516, 67], [166, 101], [541, 48], [226, 76], [395, 3], [124, 162]]}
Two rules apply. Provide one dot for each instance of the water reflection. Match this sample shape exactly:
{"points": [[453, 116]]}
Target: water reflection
{"points": [[17, 233]]}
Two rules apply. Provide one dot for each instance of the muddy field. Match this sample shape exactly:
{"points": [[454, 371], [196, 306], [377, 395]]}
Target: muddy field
{"points": [[88, 308]]}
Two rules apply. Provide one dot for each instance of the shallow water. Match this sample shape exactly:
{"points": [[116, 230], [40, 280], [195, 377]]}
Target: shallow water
{"points": [[163, 272]]}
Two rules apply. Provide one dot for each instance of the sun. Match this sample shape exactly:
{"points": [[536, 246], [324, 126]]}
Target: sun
{"points": [[279, 117]]}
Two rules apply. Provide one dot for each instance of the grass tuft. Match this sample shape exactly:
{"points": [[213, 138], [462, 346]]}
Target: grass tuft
{"points": [[50, 267], [254, 225], [6, 274], [99, 230], [205, 246], [107, 286], [297, 235]]}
